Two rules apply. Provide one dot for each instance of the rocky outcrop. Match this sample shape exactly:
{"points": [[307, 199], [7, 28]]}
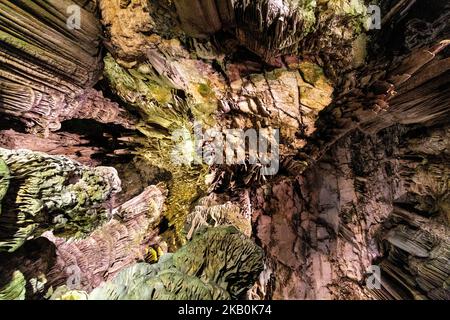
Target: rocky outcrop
{"points": [[67, 144], [362, 183], [220, 263], [50, 264], [47, 64], [41, 192], [127, 238], [273, 28], [217, 210], [24, 271], [15, 290], [369, 202], [415, 263], [385, 92]]}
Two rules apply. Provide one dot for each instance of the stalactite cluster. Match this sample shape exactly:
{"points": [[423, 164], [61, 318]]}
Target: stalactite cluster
{"points": [[98, 99]]}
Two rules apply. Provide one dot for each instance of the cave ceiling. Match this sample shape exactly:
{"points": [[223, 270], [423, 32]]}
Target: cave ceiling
{"points": [[224, 149]]}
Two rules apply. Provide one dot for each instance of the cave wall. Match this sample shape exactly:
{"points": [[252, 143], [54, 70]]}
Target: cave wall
{"points": [[363, 176]]}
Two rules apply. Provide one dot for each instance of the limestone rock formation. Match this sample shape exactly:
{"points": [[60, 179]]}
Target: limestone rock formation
{"points": [[216, 210], [123, 119], [220, 263], [84, 264], [41, 192], [47, 64], [272, 28], [15, 290], [50, 264]]}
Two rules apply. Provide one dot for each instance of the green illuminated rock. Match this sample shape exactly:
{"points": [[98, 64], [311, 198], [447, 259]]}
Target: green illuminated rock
{"points": [[14, 290], [220, 263], [50, 193]]}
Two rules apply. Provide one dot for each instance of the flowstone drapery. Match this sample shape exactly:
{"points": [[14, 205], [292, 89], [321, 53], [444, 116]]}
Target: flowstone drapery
{"points": [[90, 192]]}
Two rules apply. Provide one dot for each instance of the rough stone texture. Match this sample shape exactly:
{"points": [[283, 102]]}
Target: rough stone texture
{"points": [[287, 99], [363, 177], [67, 144], [49, 263], [271, 28], [343, 215], [84, 264], [15, 290], [402, 89], [219, 263], [215, 210], [46, 66], [51, 192], [31, 262]]}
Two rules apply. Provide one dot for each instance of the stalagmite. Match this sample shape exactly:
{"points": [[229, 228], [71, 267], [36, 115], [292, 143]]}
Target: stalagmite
{"points": [[134, 149]]}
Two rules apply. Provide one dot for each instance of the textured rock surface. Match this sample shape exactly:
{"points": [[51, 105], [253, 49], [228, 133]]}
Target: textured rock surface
{"points": [[220, 263], [215, 210], [343, 216], [271, 28], [47, 66], [32, 261], [84, 264], [51, 192], [363, 177], [67, 144], [51, 266], [15, 290]]}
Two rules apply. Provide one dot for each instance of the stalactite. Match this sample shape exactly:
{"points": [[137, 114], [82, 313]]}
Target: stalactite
{"points": [[46, 66], [51, 192], [117, 244], [196, 271], [362, 153]]}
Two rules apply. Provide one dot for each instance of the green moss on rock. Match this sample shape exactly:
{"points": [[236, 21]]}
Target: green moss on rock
{"points": [[219, 263], [51, 193]]}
